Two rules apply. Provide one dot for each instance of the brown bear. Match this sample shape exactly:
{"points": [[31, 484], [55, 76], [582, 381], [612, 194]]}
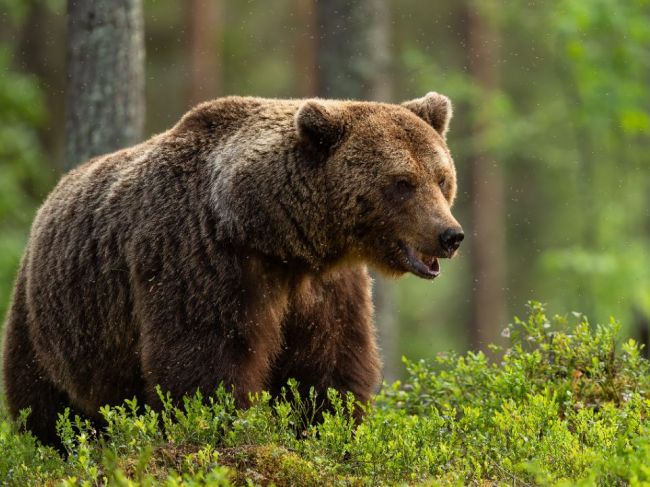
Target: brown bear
{"points": [[230, 249]]}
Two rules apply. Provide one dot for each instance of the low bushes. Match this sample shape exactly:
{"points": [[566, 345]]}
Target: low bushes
{"points": [[567, 404]]}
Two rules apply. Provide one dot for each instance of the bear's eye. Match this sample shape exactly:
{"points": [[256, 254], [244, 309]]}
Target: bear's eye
{"points": [[404, 187], [399, 189], [443, 184]]}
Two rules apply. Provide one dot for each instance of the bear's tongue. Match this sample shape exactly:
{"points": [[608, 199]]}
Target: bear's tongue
{"points": [[433, 264], [423, 265]]}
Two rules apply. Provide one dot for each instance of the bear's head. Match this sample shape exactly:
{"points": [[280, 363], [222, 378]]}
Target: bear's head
{"points": [[389, 179]]}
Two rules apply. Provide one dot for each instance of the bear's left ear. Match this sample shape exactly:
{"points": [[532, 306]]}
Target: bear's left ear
{"points": [[319, 128], [433, 108]]}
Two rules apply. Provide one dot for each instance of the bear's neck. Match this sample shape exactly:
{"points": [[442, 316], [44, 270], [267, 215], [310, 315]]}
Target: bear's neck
{"points": [[277, 206]]}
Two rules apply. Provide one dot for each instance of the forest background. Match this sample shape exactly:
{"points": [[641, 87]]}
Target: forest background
{"points": [[551, 135]]}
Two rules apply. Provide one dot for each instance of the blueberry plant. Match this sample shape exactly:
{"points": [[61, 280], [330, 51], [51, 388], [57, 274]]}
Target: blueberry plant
{"points": [[566, 403]]}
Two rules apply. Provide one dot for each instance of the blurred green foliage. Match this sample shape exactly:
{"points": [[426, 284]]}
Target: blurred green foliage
{"points": [[605, 70], [570, 124], [567, 405], [24, 174]]}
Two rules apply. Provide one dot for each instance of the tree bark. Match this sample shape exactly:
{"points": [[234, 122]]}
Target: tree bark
{"points": [[38, 54], [353, 56], [205, 28], [306, 77], [642, 330], [353, 48], [105, 77], [488, 216]]}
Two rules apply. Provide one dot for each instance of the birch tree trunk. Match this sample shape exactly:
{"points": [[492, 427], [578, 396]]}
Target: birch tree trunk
{"points": [[105, 77]]}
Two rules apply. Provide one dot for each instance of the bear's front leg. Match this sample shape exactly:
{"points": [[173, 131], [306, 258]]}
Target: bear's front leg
{"points": [[204, 327], [329, 337]]}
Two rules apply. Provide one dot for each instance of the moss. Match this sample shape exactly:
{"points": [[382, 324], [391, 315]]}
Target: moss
{"points": [[273, 464]]}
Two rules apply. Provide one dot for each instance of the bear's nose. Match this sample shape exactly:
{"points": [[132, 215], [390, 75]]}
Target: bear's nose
{"points": [[451, 238]]}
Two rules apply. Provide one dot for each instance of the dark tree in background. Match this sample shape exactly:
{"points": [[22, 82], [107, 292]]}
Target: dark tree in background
{"points": [[488, 215], [105, 77], [306, 42], [353, 49], [353, 56], [205, 19]]}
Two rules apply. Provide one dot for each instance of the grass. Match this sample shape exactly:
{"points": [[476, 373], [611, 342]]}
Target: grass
{"points": [[568, 404]]}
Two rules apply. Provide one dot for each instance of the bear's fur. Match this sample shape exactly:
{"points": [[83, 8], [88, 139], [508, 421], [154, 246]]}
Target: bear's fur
{"points": [[231, 248]]}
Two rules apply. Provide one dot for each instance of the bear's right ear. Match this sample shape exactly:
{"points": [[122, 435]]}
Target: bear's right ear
{"points": [[433, 108], [319, 129]]}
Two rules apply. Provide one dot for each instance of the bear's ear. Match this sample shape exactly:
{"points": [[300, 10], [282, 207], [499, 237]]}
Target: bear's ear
{"points": [[319, 128], [433, 108]]}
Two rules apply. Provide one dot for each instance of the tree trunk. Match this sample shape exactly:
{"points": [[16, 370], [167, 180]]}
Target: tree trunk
{"points": [[352, 48], [488, 217], [353, 62], [306, 78], [642, 330], [105, 86], [205, 28], [39, 54]]}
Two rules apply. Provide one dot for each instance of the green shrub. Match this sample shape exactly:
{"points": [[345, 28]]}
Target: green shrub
{"points": [[567, 404]]}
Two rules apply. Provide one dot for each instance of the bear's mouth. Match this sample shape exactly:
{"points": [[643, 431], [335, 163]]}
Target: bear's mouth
{"points": [[420, 264]]}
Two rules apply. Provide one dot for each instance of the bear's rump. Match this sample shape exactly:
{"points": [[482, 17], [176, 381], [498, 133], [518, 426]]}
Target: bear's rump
{"points": [[81, 324]]}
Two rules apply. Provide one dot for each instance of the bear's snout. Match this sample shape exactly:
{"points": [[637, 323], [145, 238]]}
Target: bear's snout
{"points": [[451, 238]]}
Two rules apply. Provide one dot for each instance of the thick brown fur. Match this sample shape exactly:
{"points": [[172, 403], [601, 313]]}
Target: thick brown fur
{"points": [[231, 248]]}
